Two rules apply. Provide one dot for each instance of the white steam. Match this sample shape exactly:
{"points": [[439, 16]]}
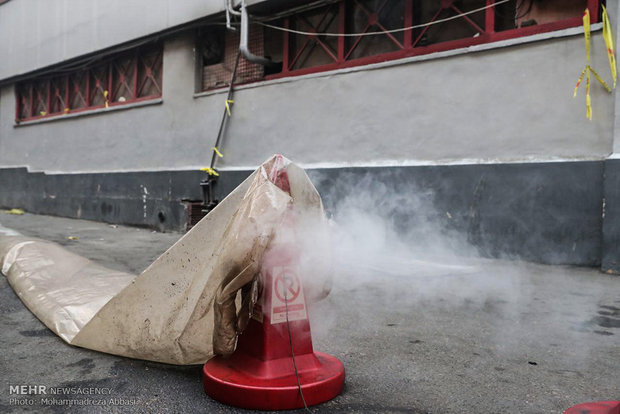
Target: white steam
{"points": [[390, 251]]}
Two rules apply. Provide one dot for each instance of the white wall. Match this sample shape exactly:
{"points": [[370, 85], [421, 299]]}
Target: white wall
{"points": [[39, 33], [507, 104]]}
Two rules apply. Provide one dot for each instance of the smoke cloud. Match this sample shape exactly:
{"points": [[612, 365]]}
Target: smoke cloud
{"points": [[391, 250]]}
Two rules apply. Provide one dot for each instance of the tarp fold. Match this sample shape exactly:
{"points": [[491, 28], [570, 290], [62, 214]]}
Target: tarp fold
{"points": [[165, 314]]}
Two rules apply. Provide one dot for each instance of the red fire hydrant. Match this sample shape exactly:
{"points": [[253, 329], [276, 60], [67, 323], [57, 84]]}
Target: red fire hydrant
{"points": [[274, 366], [600, 407]]}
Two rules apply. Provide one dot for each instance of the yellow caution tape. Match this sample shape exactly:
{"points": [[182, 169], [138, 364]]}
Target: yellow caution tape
{"points": [[601, 81], [227, 103], [14, 211], [588, 100], [583, 72], [219, 154], [587, 33], [210, 171], [105, 95], [609, 43], [588, 69]]}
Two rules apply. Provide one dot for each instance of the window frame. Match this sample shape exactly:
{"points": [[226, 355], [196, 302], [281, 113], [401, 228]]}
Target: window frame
{"points": [[488, 36], [110, 67]]}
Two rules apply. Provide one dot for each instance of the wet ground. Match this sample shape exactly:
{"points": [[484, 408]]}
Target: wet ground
{"points": [[421, 335]]}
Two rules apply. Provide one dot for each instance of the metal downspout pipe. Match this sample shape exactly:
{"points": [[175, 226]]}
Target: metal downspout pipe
{"points": [[244, 42]]}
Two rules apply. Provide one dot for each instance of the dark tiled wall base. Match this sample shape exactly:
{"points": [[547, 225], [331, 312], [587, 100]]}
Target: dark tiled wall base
{"points": [[542, 212]]}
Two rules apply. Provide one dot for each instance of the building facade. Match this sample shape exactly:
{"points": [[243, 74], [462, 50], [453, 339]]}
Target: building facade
{"points": [[108, 110]]}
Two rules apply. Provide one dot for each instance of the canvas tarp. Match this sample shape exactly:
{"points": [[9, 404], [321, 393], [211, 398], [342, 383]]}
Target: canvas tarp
{"points": [[166, 313]]}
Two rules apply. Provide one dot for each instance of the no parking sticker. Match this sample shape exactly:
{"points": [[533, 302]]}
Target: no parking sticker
{"points": [[287, 291]]}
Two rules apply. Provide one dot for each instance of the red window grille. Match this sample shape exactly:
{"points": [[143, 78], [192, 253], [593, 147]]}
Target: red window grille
{"points": [[24, 101], [78, 87], [149, 74], [468, 26], [129, 77], [40, 92], [124, 75], [310, 51], [455, 24], [99, 89], [304, 54], [374, 16], [59, 95]]}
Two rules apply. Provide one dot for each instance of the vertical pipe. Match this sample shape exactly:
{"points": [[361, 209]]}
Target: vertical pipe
{"points": [[244, 43]]}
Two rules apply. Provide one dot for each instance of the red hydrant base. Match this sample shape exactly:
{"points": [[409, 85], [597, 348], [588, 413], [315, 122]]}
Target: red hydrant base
{"points": [[246, 382], [600, 407]]}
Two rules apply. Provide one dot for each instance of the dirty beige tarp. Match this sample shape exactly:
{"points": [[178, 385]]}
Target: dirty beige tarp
{"points": [[166, 313]]}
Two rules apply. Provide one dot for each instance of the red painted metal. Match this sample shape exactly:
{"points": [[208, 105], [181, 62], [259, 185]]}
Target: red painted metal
{"points": [[311, 41], [600, 407], [40, 99], [88, 97], [149, 69], [31, 101], [18, 102], [99, 77], [468, 20], [135, 76], [342, 28], [340, 57], [123, 72], [48, 104], [408, 38], [108, 88], [95, 83], [58, 91], [260, 374], [594, 6], [286, 47], [434, 48], [373, 20], [489, 18], [425, 29], [67, 104]]}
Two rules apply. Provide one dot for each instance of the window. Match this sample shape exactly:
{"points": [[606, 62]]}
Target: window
{"points": [[129, 77], [219, 51], [453, 24]]}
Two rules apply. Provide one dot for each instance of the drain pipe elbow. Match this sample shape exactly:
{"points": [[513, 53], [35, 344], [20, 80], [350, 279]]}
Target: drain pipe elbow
{"points": [[244, 43], [230, 8]]}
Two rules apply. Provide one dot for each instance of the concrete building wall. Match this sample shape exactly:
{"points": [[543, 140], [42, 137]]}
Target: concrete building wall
{"points": [[502, 105], [505, 104], [39, 33], [505, 115], [153, 136]]}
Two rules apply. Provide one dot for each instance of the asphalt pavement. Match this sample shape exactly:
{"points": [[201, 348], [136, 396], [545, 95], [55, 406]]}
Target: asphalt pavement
{"points": [[416, 335]]}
